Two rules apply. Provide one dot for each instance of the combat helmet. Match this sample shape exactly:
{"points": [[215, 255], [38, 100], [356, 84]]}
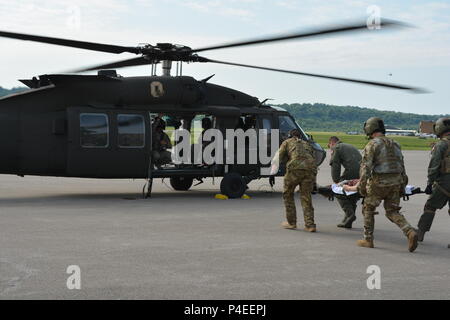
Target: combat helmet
{"points": [[373, 124], [441, 126]]}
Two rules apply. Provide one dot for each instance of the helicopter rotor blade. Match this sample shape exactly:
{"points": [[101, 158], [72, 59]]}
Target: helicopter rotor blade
{"points": [[371, 83], [118, 64], [334, 29], [70, 43]]}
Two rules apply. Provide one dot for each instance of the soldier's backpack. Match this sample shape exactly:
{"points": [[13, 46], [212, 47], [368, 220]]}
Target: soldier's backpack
{"points": [[389, 158], [302, 156]]}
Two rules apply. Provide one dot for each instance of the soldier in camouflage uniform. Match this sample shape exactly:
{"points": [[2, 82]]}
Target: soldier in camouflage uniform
{"points": [[347, 156], [382, 178], [438, 186], [160, 143], [301, 170]]}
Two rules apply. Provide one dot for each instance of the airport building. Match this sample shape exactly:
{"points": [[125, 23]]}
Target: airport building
{"points": [[400, 132], [426, 127]]}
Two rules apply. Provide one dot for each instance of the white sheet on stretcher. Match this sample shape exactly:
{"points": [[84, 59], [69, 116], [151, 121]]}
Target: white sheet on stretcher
{"points": [[338, 189]]}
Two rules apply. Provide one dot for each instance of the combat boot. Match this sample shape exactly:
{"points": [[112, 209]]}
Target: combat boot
{"points": [[412, 240], [347, 222], [365, 243], [420, 235], [310, 229], [287, 225], [342, 224]]}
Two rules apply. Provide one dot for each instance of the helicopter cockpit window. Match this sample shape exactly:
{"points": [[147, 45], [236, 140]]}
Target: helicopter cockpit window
{"points": [[131, 131], [286, 125], [94, 130]]}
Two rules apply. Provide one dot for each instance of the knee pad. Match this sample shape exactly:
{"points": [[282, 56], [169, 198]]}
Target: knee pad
{"points": [[369, 213], [393, 211]]}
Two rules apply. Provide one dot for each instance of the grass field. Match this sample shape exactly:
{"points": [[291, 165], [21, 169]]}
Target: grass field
{"points": [[359, 141]]}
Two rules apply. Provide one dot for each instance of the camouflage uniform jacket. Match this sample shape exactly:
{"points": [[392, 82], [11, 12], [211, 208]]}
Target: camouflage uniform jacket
{"points": [[439, 167], [382, 164], [298, 154], [346, 155]]}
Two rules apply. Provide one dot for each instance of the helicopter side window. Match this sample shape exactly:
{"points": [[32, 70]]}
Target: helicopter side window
{"points": [[94, 130], [267, 124], [286, 124], [131, 129]]}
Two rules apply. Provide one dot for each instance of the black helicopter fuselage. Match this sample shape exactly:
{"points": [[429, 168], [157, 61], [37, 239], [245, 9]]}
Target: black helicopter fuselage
{"points": [[41, 131]]}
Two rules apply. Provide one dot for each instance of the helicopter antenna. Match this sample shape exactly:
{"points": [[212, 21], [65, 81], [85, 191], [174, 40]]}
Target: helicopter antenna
{"points": [[264, 101], [207, 79]]}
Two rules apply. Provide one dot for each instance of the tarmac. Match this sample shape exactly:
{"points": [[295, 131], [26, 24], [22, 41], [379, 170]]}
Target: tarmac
{"points": [[189, 245]]}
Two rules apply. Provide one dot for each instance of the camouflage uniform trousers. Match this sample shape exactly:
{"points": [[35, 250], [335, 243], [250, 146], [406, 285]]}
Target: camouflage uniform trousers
{"points": [[437, 200], [305, 179], [391, 197]]}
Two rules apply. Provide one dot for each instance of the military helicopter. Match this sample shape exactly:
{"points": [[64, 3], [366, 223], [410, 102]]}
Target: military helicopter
{"points": [[100, 126]]}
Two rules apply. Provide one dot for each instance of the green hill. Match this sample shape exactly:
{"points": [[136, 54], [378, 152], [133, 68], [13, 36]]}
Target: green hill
{"points": [[324, 117]]}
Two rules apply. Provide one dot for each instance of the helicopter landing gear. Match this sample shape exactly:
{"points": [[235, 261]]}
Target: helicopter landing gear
{"points": [[233, 185], [149, 187], [181, 183]]}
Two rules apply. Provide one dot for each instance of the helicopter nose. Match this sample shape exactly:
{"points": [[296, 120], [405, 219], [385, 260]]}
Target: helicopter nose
{"points": [[9, 139]]}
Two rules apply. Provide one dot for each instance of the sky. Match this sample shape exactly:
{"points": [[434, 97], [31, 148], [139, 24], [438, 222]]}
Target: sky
{"points": [[418, 55]]}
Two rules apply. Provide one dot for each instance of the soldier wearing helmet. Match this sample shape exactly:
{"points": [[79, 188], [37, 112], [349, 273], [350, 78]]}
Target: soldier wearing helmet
{"points": [[160, 143], [382, 178], [301, 170], [438, 185]]}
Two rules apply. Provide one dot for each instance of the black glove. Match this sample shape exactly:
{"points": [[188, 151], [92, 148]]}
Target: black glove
{"points": [[429, 189]]}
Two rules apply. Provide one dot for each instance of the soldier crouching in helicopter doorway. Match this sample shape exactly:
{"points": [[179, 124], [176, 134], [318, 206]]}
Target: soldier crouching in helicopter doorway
{"points": [[301, 170], [438, 186], [160, 144]]}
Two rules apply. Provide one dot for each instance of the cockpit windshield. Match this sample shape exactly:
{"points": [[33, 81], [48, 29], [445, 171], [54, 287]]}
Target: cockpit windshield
{"points": [[286, 124]]}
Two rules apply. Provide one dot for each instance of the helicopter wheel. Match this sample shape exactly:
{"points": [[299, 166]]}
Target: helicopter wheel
{"points": [[181, 183], [233, 185]]}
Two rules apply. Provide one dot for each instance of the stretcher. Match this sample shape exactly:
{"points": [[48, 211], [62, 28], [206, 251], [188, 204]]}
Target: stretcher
{"points": [[332, 190]]}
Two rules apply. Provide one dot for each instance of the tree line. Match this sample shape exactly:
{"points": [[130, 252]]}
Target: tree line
{"points": [[325, 117]]}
